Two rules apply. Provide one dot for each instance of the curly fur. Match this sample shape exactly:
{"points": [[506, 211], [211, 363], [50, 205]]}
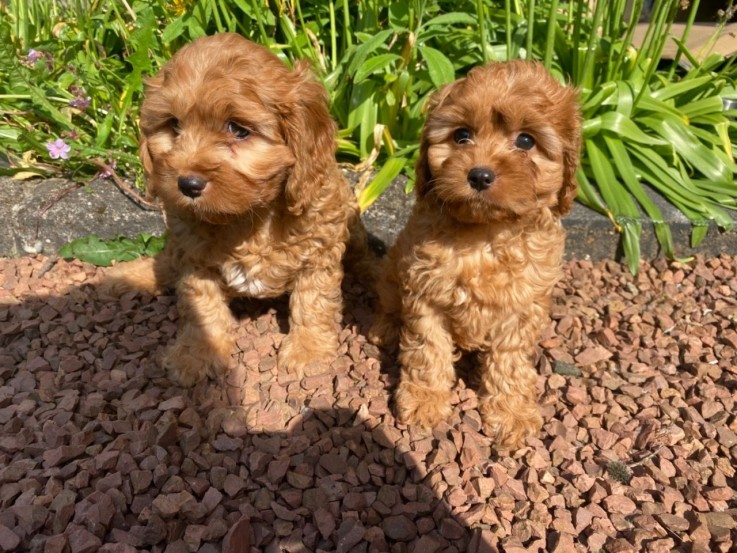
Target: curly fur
{"points": [[474, 269], [273, 216]]}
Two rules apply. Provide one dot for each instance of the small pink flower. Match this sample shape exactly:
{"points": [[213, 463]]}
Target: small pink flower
{"points": [[107, 174], [80, 103], [33, 56], [58, 149]]}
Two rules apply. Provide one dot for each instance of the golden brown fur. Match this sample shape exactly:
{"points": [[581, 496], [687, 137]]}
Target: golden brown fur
{"points": [[474, 267], [240, 152]]}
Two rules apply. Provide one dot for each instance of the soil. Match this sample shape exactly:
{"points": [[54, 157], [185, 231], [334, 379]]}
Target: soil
{"points": [[101, 452]]}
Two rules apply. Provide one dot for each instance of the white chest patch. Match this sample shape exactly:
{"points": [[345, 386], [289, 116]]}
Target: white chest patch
{"points": [[243, 282]]}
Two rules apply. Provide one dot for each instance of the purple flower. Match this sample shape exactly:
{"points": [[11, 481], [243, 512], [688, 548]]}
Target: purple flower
{"points": [[104, 174], [58, 149], [33, 56], [80, 103]]}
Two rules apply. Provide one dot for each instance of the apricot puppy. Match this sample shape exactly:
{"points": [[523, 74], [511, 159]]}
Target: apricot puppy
{"points": [[240, 151], [476, 263]]}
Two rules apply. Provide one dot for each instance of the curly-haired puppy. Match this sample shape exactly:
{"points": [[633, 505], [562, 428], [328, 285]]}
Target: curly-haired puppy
{"points": [[240, 151], [475, 265]]}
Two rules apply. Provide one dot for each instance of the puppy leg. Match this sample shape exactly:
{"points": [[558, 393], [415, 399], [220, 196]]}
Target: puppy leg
{"points": [[315, 307], [426, 354], [152, 275], [384, 330], [204, 342], [508, 397]]}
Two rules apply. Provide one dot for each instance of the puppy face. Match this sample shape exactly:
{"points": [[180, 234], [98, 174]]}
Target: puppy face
{"points": [[500, 144], [228, 129]]}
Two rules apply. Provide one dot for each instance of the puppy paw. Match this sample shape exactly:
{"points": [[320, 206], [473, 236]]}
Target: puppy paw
{"points": [[422, 406], [302, 356], [131, 276], [187, 365], [509, 428]]}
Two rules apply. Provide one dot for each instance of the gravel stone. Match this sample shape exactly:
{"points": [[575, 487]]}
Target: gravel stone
{"points": [[99, 451]]}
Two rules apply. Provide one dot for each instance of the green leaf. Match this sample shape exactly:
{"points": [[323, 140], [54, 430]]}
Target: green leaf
{"points": [[374, 65], [623, 163], [440, 67], [97, 251], [391, 168], [632, 231], [361, 52], [451, 18], [698, 233], [173, 30], [103, 130], [9, 132], [681, 88], [626, 128], [690, 148]]}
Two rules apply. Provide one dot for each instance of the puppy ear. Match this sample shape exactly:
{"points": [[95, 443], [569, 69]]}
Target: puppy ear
{"points": [[153, 84], [571, 151], [148, 166], [423, 176], [310, 134]]}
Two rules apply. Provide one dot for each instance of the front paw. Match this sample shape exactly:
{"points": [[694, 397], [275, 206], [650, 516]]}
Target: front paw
{"points": [[188, 364], [138, 275], [509, 427], [303, 355], [425, 407]]}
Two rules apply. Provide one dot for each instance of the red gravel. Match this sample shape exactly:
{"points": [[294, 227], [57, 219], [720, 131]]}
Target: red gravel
{"points": [[100, 452]]}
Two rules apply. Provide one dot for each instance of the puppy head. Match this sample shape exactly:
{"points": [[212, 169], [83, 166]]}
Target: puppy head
{"points": [[501, 144], [227, 129]]}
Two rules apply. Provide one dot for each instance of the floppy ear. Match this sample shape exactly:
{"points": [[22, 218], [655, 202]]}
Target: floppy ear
{"points": [[148, 166], [310, 134], [571, 151], [152, 86], [423, 176]]}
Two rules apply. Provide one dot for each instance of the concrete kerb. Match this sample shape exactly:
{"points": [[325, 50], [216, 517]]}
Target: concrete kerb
{"points": [[42, 215]]}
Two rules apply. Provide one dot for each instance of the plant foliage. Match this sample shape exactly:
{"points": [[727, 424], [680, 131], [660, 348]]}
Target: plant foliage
{"points": [[97, 251], [74, 71]]}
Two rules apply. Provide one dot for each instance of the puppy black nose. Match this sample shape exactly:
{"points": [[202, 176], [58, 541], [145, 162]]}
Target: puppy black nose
{"points": [[480, 178], [191, 185]]}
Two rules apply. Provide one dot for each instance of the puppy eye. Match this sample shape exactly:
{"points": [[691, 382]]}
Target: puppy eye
{"points": [[240, 133], [524, 141], [173, 124], [462, 136]]}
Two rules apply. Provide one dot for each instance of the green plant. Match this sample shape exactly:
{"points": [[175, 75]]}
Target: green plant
{"points": [[97, 251], [644, 124], [74, 72]]}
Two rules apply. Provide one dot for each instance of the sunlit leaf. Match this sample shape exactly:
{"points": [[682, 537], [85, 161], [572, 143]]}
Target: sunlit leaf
{"points": [[438, 65]]}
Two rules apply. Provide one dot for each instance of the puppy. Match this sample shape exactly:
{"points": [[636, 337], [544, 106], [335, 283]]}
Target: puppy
{"points": [[240, 152], [475, 265]]}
